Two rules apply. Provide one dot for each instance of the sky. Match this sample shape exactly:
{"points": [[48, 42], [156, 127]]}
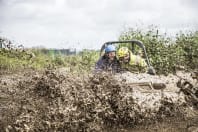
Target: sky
{"points": [[87, 24]]}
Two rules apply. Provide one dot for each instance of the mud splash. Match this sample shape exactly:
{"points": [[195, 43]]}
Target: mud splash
{"points": [[60, 101]]}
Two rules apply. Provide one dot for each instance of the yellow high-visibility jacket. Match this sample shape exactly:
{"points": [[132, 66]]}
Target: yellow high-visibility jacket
{"points": [[136, 64]]}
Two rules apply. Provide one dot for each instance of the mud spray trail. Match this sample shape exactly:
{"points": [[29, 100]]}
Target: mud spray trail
{"points": [[61, 101]]}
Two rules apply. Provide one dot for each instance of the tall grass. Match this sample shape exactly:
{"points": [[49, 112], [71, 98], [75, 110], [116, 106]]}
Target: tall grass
{"points": [[13, 60]]}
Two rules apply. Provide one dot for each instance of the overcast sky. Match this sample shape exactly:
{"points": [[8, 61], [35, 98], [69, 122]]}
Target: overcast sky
{"points": [[89, 23]]}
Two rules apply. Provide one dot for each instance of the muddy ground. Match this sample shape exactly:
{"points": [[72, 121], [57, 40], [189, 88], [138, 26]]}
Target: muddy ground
{"points": [[56, 100]]}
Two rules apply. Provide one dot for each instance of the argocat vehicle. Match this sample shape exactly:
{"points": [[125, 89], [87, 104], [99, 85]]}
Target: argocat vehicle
{"points": [[150, 70], [148, 89]]}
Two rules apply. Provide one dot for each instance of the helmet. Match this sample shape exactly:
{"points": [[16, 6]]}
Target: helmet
{"points": [[123, 51], [110, 48]]}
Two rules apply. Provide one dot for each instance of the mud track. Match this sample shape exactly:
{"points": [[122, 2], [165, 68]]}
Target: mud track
{"points": [[60, 101]]}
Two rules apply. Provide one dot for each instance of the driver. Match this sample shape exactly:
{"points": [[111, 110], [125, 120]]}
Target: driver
{"points": [[131, 62], [108, 62]]}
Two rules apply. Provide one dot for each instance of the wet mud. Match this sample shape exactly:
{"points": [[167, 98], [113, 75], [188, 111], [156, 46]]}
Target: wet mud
{"points": [[56, 100]]}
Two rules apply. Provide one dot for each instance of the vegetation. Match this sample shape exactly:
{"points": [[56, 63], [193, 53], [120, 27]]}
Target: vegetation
{"points": [[14, 60], [165, 53]]}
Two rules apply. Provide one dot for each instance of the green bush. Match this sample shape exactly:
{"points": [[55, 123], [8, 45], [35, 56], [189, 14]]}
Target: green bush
{"points": [[167, 54], [187, 48]]}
